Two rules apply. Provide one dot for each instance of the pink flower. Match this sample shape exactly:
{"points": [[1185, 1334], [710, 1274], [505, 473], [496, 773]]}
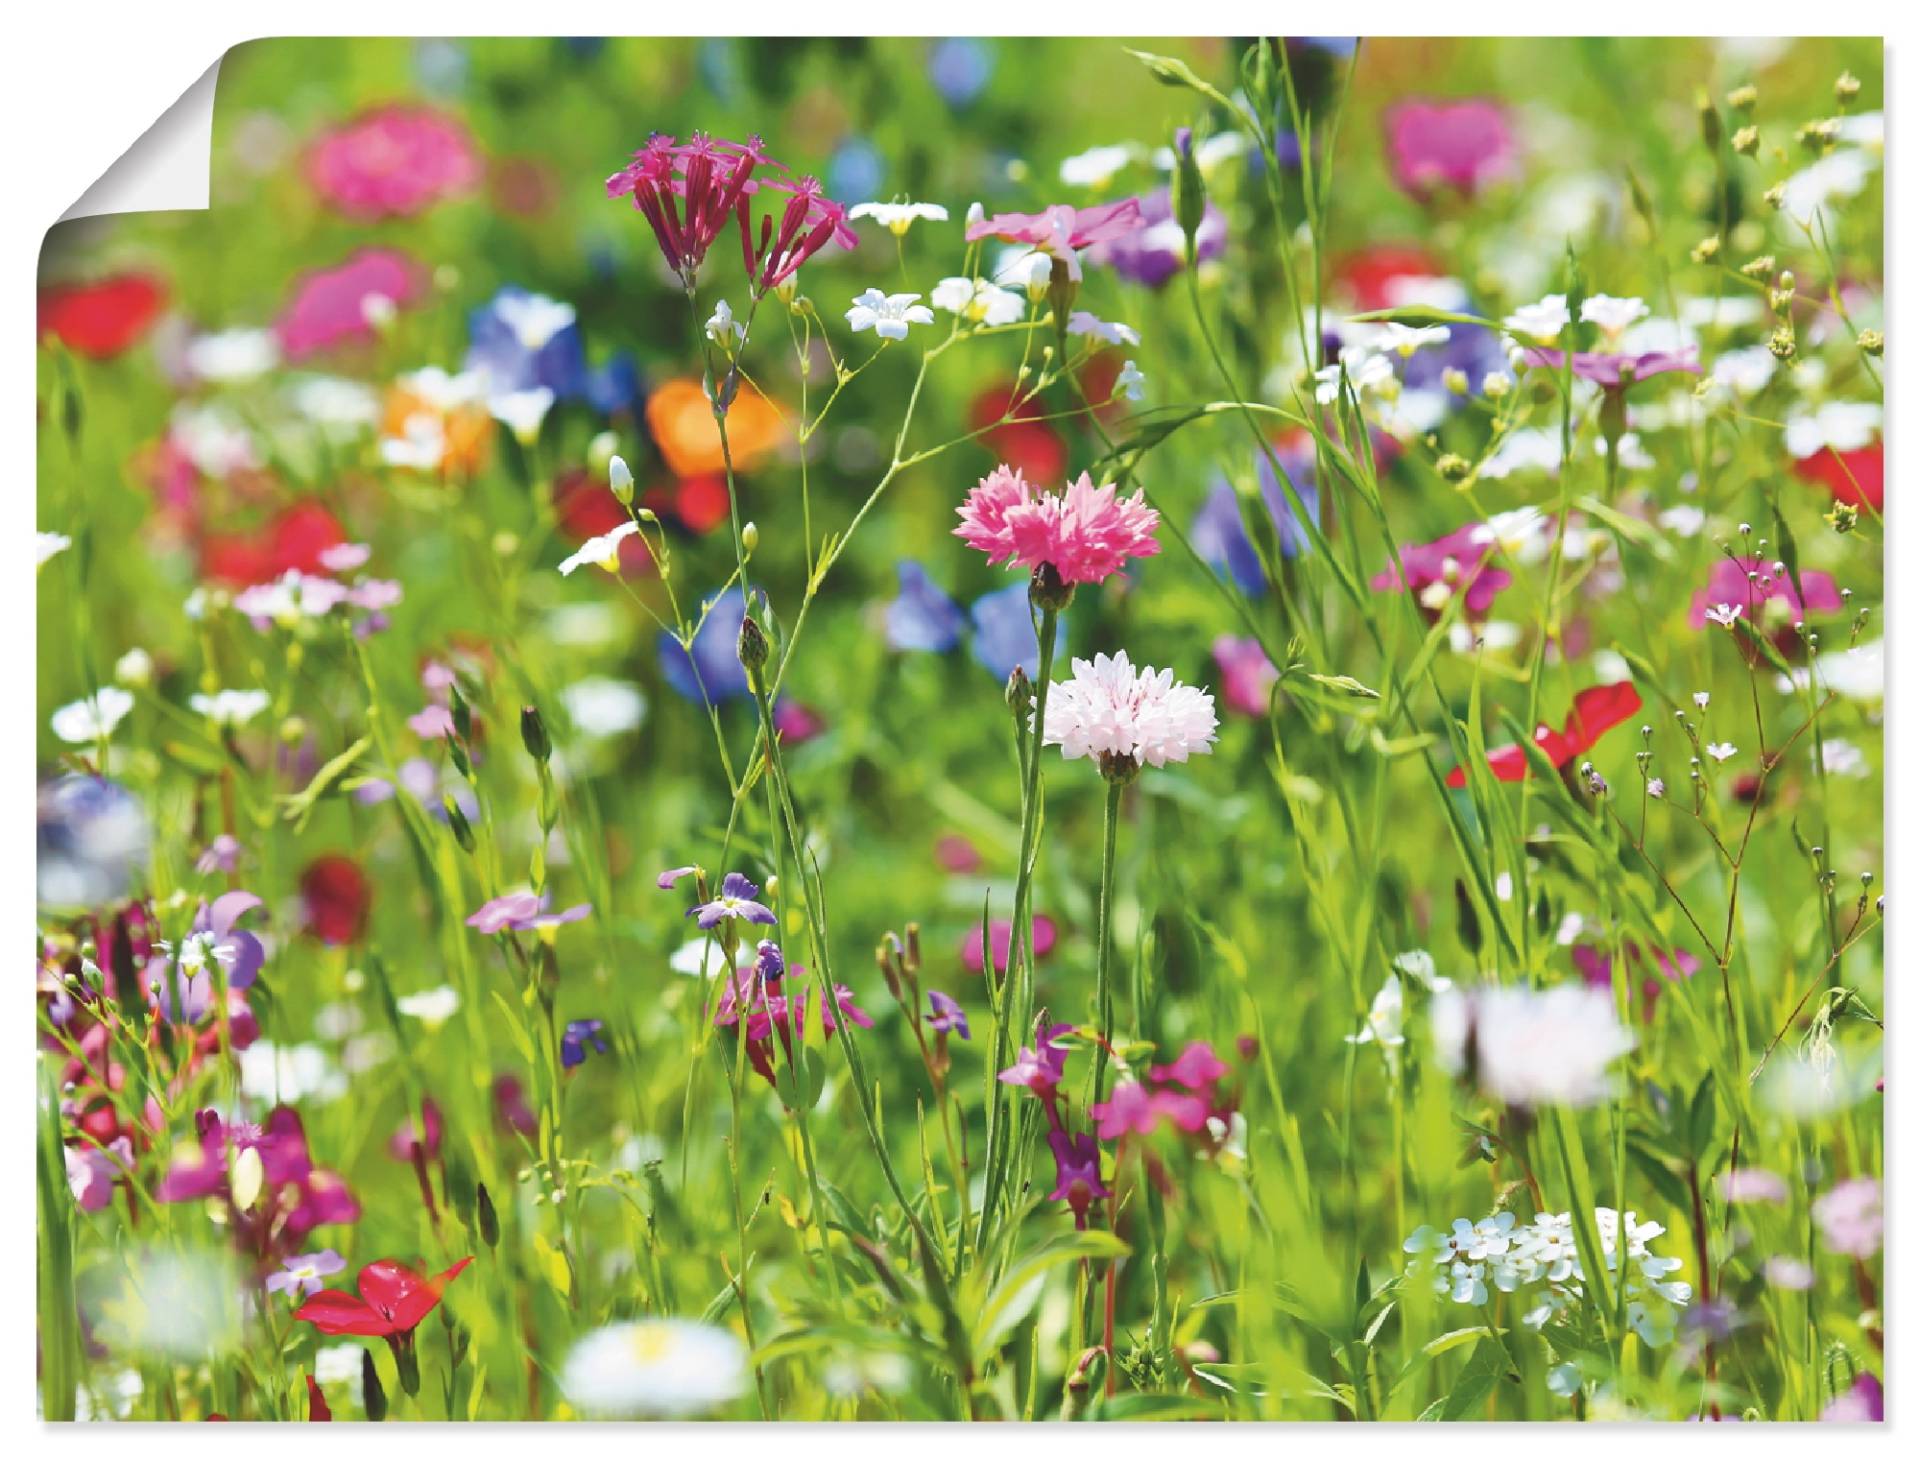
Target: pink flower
{"points": [[1085, 532], [1749, 583], [1061, 230], [1246, 674], [433, 722], [1134, 1110], [1744, 1186], [1463, 145], [393, 162], [972, 952], [1436, 570], [1852, 1218], [1198, 1068], [329, 305]]}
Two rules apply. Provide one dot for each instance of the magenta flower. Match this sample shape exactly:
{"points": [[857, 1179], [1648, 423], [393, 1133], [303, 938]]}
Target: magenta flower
{"points": [[221, 856], [1436, 570], [1618, 371], [1041, 1067], [1851, 1218], [735, 902], [1061, 231], [1460, 145], [418, 1132], [330, 307], [1247, 675], [1198, 1068], [92, 1172], [294, 1195], [1749, 584], [1132, 1109], [1076, 1167], [522, 911], [948, 1016], [770, 1013], [302, 1275], [1864, 1402], [393, 162], [1085, 533], [973, 951]]}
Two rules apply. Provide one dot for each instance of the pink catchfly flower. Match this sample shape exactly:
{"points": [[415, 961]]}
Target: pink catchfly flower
{"points": [[1060, 231], [1085, 533]]}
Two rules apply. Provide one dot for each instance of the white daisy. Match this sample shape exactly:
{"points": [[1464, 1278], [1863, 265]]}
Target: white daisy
{"points": [[1611, 314], [1541, 322]]}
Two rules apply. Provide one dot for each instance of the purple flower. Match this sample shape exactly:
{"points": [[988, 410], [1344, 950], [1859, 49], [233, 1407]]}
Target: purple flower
{"points": [[522, 911], [667, 878], [1076, 1164], [736, 900], [948, 1015], [91, 1172], [769, 963], [581, 1035], [523, 341], [1158, 250], [305, 1274], [1219, 532], [1851, 1218], [1436, 570], [221, 856], [1040, 1067], [1864, 1402], [433, 722], [1617, 371], [922, 619], [213, 940], [1744, 1186], [239, 950]]}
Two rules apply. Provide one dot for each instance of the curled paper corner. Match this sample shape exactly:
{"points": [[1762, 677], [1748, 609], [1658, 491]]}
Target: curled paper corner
{"points": [[169, 167]]}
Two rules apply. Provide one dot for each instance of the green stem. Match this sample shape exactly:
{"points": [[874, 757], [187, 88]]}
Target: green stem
{"points": [[1103, 964]]}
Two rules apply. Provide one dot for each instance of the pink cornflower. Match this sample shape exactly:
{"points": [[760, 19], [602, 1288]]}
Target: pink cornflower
{"points": [[1749, 583], [330, 305], [1086, 533], [1463, 145], [1061, 231], [393, 162]]}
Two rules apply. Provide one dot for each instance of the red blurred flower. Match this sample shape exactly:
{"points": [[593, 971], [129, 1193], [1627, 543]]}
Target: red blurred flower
{"points": [[1857, 478], [1595, 710], [103, 318], [1369, 275], [1024, 442], [292, 542], [393, 1300], [337, 895]]}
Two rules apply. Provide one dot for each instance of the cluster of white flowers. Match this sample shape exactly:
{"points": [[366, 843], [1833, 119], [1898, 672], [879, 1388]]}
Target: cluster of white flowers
{"points": [[1553, 1045], [1475, 1258]]}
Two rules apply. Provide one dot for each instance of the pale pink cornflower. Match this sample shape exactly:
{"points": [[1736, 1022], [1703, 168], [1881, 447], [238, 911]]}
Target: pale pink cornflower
{"points": [[1126, 717], [1085, 533], [393, 162]]}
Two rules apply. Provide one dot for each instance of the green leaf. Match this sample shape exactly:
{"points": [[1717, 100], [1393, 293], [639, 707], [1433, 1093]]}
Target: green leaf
{"points": [[299, 808], [1474, 1383]]}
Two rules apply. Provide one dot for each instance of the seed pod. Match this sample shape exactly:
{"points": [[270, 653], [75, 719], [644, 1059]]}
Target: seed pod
{"points": [[753, 648], [533, 734]]}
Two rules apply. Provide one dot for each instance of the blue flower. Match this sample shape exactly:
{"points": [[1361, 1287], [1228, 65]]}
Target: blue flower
{"points": [[772, 965], [922, 618], [1472, 349], [578, 1037], [1003, 635], [1219, 532], [960, 68], [716, 654], [522, 340], [855, 169], [614, 386]]}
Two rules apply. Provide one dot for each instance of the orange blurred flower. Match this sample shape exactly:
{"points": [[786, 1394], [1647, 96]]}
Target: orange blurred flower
{"points": [[682, 424], [436, 422]]}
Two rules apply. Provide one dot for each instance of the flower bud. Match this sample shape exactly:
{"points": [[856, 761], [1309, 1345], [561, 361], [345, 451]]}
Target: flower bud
{"points": [[1048, 590], [1455, 380], [1453, 468], [1847, 88], [1189, 189], [372, 1395], [135, 668], [457, 822], [621, 480], [1019, 694], [1709, 122], [1872, 342], [533, 734], [752, 648], [489, 1218], [1742, 98], [750, 538], [1746, 141]]}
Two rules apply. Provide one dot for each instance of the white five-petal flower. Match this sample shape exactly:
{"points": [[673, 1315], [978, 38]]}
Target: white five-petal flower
{"points": [[887, 315], [600, 551]]}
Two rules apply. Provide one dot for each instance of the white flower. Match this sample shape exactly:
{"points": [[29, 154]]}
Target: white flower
{"points": [[1745, 371], [442, 391], [216, 442], [522, 411], [1549, 1046], [701, 957], [1611, 314], [887, 315], [1683, 520], [897, 217], [1724, 613], [432, 1007], [134, 668], [1131, 383], [1721, 752], [421, 446], [1082, 322], [600, 551], [337, 1364], [291, 596], [723, 329], [1366, 371], [1207, 154], [86, 721], [1521, 533], [654, 1368], [1842, 757], [1405, 340], [1541, 322], [1840, 174], [231, 708], [603, 707], [334, 404], [1859, 672], [533, 318], [1843, 425], [1097, 166], [48, 545], [285, 1075], [1384, 1025], [233, 355], [1657, 788], [1531, 449], [1111, 708], [979, 301], [1702, 699]]}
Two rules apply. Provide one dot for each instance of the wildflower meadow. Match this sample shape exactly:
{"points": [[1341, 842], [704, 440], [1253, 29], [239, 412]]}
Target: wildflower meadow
{"points": [[970, 730]]}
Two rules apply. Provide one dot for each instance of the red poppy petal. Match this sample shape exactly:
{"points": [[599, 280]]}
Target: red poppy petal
{"points": [[1598, 709], [339, 1313]]}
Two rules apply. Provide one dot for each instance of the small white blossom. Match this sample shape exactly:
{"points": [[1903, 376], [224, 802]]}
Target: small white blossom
{"points": [[230, 708], [600, 551], [1611, 314], [48, 545], [1405, 340], [1131, 383], [233, 355], [86, 721], [1724, 613], [1384, 1019], [1097, 166], [1721, 752], [1545, 1046], [1541, 322], [723, 329], [897, 217], [887, 315], [533, 318], [432, 1007], [1657, 788], [522, 411], [1084, 323], [979, 301]]}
